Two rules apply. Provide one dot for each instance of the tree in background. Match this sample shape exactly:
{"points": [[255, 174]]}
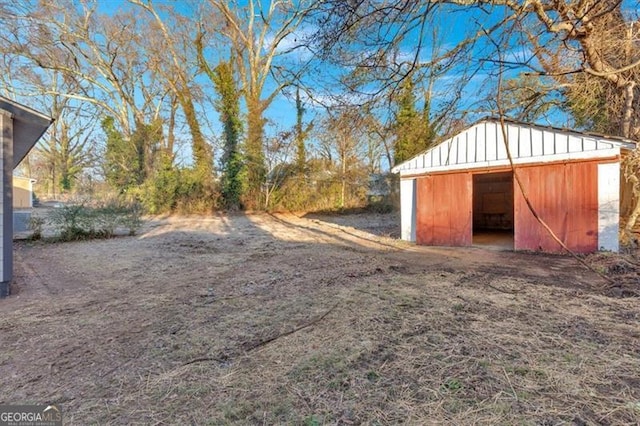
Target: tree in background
{"points": [[140, 64], [301, 134], [68, 147], [531, 98], [228, 106], [590, 49], [172, 57], [414, 132], [67, 151], [343, 144], [99, 67], [98, 56], [120, 164], [390, 59], [257, 35], [281, 170], [407, 137]]}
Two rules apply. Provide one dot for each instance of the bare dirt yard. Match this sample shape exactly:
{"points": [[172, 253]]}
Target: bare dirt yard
{"points": [[280, 319]]}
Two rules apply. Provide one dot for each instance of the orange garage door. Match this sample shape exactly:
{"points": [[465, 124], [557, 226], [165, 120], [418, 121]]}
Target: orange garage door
{"points": [[565, 196], [444, 210]]}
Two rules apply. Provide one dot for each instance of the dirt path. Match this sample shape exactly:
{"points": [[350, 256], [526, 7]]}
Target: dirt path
{"points": [[217, 320]]}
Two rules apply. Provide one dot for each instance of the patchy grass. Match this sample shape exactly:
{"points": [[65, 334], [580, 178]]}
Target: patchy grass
{"points": [[283, 320]]}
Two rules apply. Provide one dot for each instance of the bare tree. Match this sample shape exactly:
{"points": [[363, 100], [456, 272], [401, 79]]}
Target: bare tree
{"points": [[171, 55], [592, 51], [343, 143], [68, 148], [257, 34], [99, 64], [98, 52], [587, 49]]}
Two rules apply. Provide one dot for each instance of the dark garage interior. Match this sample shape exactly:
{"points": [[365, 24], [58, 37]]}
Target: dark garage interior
{"points": [[493, 209]]}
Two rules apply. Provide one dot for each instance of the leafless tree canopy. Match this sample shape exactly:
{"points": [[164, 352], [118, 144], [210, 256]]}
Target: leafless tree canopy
{"points": [[147, 64]]}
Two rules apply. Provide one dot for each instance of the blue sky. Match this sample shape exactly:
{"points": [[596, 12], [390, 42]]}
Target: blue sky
{"points": [[454, 24]]}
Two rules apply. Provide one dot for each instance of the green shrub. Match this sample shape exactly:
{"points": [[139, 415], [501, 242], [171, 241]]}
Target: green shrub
{"points": [[35, 225], [111, 215], [177, 190], [80, 222], [380, 204], [159, 194], [72, 221]]}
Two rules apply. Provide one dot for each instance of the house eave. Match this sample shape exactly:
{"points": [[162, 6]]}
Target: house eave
{"points": [[28, 127]]}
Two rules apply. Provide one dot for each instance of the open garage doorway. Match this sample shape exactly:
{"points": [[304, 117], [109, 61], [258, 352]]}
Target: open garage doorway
{"points": [[493, 210]]}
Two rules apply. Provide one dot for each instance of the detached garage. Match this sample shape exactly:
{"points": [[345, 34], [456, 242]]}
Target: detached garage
{"points": [[465, 189]]}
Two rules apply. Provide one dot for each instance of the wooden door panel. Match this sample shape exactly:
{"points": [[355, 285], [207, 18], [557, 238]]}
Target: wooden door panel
{"points": [[565, 196], [443, 210]]}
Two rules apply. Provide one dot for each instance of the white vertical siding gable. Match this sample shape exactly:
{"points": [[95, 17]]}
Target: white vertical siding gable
{"points": [[482, 145]]}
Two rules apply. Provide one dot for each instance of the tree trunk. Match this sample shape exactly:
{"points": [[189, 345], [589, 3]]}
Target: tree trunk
{"points": [[170, 131], [201, 152], [344, 181], [628, 109], [633, 217], [256, 172]]}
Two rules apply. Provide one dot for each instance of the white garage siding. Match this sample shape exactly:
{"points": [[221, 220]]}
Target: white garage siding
{"points": [[408, 209], [608, 206]]}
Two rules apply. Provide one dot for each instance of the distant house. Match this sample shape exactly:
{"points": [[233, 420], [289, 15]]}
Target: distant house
{"points": [[22, 192], [465, 186], [21, 129], [382, 188], [22, 203]]}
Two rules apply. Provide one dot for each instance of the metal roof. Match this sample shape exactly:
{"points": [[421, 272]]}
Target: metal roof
{"points": [[482, 145], [28, 126]]}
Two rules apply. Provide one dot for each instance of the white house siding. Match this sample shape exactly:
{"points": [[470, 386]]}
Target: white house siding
{"points": [[408, 209], [608, 206], [6, 136], [21, 127]]}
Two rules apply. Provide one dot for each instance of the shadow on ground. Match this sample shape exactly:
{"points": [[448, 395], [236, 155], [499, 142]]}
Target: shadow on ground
{"points": [[280, 319]]}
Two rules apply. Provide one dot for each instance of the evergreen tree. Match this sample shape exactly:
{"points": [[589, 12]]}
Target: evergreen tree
{"points": [[414, 132], [128, 162], [120, 160], [406, 119]]}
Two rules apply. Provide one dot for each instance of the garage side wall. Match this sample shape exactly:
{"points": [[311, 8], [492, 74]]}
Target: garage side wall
{"points": [[565, 196], [609, 206], [408, 209], [444, 210]]}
